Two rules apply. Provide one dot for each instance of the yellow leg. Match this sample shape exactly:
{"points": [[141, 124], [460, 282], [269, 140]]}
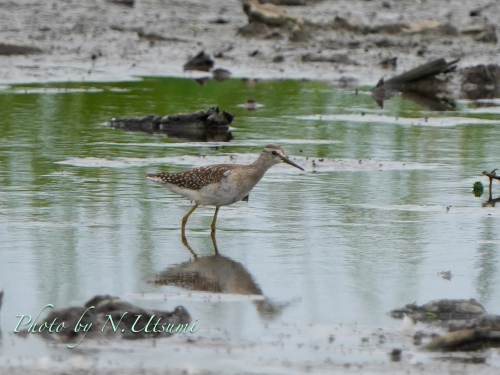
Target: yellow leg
{"points": [[185, 219], [214, 242], [185, 242], [215, 219]]}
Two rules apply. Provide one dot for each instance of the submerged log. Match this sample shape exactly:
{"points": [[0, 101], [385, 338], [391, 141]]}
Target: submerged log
{"points": [[204, 125], [420, 85], [465, 340]]}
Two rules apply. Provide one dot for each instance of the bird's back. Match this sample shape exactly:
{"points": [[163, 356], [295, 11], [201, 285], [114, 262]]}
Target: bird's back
{"points": [[196, 178]]}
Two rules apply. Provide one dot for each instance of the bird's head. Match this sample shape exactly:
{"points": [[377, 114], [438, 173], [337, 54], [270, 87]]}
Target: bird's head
{"points": [[275, 154]]}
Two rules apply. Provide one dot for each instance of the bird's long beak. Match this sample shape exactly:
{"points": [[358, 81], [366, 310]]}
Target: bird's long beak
{"points": [[288, 161]]}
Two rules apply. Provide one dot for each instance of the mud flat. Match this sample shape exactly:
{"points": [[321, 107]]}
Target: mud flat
{"points": [[102, 40]]}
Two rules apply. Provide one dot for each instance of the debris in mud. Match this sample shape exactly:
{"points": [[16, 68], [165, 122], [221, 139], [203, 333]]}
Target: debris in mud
{"points": [[443, 309], [285, 2], [120, 311], [203, 126], [347, 24], [278, 59], [299, 36], [340, 58], [154, 37], [201, 62], [389, 63], [269, 14], [9, 48], [127, 3], [254, 30], [346, 82], [481, 82], [251, 105], [482, 32], [420, 85], [431, 27], [220, 21], [468, 359], [395, 355], [221, 74], [466, 340], [447, 275]]}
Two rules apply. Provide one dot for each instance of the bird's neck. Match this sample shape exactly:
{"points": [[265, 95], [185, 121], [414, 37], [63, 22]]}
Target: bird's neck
{"points": [[261, 165]]}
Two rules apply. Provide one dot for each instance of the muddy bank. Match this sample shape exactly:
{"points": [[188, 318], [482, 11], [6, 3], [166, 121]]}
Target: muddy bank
{"points": [[102, 41]]}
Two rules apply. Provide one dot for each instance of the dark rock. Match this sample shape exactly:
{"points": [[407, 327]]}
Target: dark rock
{"points": [[278, 59], [201, 62], [335, 58], [220, 21], [395, 355], [127, 3], [389, 63], [254, 30], [13, 48], [104, 306], [220, 74]]}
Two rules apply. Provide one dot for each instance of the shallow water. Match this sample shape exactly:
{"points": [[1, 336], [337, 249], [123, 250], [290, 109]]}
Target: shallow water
{"points": [[364, 230]]}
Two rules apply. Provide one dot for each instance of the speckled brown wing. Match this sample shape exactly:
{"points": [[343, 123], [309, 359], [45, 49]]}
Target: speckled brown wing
{"points": [[195, 178]]}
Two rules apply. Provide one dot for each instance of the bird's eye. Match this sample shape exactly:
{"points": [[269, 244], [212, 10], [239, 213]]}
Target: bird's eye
{"points": [[274, 152]]}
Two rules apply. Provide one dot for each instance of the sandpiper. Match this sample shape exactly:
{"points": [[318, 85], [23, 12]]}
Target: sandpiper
{"points": [[220, 184]]}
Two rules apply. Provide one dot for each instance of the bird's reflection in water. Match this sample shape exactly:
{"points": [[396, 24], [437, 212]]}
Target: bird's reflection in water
{"points": [[491, 202], [218, 274]]}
